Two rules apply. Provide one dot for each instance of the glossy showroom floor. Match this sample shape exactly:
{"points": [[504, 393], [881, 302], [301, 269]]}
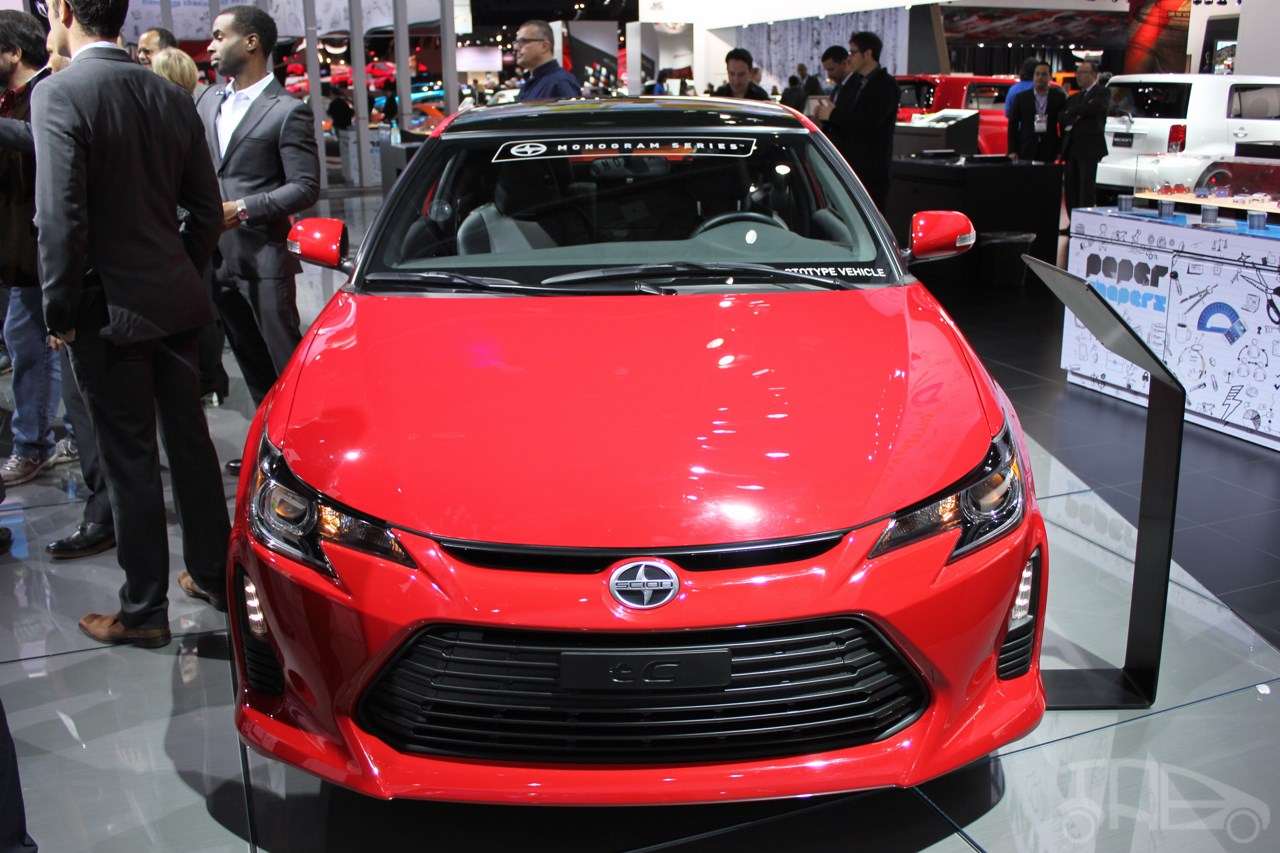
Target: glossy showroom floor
{"points": [[124, 749]]}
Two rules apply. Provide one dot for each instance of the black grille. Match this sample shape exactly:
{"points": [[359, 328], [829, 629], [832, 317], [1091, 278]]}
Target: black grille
{"points": [[261, 667], [1015, 654], [699, 558], [795, 689]]}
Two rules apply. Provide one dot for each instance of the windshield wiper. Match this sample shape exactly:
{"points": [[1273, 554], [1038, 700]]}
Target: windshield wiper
{"points": [[687, 269], [454, 281]]}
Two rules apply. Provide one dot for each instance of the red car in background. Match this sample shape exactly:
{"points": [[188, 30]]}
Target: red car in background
{"points": [[929, 93]]}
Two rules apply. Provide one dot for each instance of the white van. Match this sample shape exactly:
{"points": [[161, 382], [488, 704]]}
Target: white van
{"points": [[1201, 116]]}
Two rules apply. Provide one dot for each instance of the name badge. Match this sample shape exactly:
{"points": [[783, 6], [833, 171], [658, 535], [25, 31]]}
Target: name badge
{"points": [[1042, 124]]}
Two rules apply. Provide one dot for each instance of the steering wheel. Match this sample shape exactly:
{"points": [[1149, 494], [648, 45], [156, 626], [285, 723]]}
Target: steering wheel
{"points": [[736, 216]]}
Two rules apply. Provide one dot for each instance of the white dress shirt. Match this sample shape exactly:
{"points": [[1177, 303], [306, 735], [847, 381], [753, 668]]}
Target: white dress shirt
{"points": [[234, 106]]}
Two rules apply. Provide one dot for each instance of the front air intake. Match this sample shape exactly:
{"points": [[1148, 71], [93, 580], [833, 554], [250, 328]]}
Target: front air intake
{"points": [[498, 694]]}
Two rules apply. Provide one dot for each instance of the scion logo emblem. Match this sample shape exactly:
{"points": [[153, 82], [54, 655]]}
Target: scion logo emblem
{"points": [[644, 584], [528, 149]]}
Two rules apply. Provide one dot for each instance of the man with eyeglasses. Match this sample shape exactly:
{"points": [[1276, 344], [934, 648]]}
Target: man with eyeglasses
{"points": [[867, 123], [534, 45]]}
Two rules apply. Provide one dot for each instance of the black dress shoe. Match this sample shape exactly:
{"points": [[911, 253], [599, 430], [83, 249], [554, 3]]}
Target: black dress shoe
{"points": [[90, 538], [233, 467]]}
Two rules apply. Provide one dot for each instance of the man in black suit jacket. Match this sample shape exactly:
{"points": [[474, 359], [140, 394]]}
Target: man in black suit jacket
{"points": [[122, 288], [1084, 120], [868, 120], [268, 167], [96, 531], [1033, 119], [809, 84], [835, 62]]}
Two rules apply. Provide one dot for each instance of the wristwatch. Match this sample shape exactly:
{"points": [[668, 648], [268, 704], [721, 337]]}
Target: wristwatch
{"points": [[242, 212]]}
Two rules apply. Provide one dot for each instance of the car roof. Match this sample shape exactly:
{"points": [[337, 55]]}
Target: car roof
{"points": [[607, 114], [1207, 79], [963, 78]]}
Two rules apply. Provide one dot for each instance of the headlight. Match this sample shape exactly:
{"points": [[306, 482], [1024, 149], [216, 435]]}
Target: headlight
{"points": [[289, 517], [988, 504]]}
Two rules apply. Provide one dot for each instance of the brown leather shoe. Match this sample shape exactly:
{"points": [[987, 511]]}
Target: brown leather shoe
{"points": [[106, 628], [191, 588]]}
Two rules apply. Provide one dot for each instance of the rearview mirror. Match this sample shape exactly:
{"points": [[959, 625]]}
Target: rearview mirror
{"points": [[937, 234], [321, 241]]}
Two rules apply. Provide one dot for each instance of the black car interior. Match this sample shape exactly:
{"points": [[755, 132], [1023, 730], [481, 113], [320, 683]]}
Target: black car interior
{"points": [[476, 206]]}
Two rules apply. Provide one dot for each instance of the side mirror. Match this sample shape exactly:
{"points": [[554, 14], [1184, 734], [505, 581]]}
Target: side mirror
{"points": [[937, 234], [322, 242]]}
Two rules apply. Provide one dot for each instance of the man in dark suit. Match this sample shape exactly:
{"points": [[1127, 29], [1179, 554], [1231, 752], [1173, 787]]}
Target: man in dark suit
{"points": [[268, 167], [809, 84], [835, 62], [867, 119], [96, 531], [1084, 120], [1033, 119], [122, 288]]}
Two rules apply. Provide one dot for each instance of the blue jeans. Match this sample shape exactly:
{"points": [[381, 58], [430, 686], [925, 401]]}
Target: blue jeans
{"points": [[37, 374]]}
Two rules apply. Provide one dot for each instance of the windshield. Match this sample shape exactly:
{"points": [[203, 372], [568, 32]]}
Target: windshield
{"points": [[528, 208]]}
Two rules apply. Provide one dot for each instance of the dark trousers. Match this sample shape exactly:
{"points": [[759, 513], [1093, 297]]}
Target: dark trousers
{"points": [[13, 818], [98, 508], [129, 388], [260, 317], [1081, 182]]}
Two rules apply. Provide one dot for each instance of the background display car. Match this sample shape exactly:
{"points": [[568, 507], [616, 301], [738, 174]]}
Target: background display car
{"points": [[1201, 116], [929, 93], [632, 466]]}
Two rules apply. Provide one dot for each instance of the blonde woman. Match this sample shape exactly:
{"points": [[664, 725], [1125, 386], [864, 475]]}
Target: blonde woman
{"points": [[176, 66]]}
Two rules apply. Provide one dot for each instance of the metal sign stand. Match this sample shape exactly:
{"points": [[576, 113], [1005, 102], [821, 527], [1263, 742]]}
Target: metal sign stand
{"points": [[1134, 685]]}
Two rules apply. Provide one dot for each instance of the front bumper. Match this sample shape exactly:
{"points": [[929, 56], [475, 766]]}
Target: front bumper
{"points": [[332, 640]]}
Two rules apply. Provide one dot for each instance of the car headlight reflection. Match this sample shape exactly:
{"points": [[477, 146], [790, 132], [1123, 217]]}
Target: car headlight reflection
{"points": [[287, 516], [990, 505]]}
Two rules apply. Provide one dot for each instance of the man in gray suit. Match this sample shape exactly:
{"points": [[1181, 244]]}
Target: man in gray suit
{"points": [[264, 153], [122, 289]]}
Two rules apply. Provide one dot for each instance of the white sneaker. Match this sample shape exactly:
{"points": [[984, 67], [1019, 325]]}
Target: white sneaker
{"points": [[64, 451], [21, 469]]}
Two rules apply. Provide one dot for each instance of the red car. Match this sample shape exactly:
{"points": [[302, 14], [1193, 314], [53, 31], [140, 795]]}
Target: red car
{"points": [[632, 466], [929, 93]]}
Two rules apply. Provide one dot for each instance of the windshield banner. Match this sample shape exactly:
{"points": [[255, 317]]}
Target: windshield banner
{"points": [[617, 146]]}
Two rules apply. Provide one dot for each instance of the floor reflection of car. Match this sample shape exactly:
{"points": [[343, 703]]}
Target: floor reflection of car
{"points": [[1162, 796], [631, 465], [929, 93]]}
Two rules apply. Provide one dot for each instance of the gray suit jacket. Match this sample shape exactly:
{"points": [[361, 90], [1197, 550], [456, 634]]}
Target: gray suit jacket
{"points": [[118, 150], [272, 163]]}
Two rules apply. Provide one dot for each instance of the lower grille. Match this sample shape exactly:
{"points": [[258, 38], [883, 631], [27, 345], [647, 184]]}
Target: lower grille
{"points": [[793, 689], [1015, 653]]}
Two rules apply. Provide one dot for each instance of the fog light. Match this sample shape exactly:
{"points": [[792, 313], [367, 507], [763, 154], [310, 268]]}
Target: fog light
{"points": [[253, 610], [1021, 612]]}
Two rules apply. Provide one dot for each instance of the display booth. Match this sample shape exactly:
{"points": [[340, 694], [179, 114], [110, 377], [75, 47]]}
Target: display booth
{"points": [[1204, 296]]}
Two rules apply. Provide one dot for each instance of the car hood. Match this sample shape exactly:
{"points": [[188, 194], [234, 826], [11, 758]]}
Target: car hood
{"points": [[634, 421]]}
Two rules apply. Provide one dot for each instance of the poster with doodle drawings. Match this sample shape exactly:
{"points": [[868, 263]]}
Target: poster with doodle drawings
{"points": [[1205, 299]]}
